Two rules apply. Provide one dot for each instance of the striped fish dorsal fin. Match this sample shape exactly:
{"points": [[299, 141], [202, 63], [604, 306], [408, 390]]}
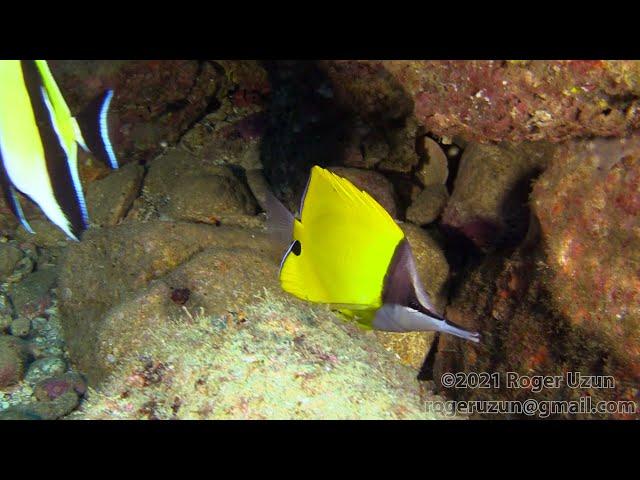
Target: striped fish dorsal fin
{"points": [[63, 118]]}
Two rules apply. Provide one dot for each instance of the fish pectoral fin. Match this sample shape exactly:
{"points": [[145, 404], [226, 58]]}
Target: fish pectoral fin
{"points": [[92, 129], [398, 318]]}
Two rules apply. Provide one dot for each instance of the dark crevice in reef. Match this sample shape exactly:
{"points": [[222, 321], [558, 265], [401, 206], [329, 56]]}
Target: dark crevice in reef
{"points": [[305, 127]]}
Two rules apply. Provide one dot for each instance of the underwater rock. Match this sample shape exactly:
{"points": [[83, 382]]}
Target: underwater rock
{"points": [[225, 142], [428, 205], [237, 348], [494, 101], [23, 267], [53, 387], [5, 322], [403, 156], [113, 262], [435, 167], [46, 234], [109, 199], [20, 327], [213, 199], [8, 221], [46, 410], [588, 203], [6, 313], [14, 355], [488, 202], [240, 348], [9, 257], [374, 183], [44, 368], [369, 152], [182, 186], [259, 186], [509, 301], [249, 78], [368, 89], [155, 101], [31, 296]]}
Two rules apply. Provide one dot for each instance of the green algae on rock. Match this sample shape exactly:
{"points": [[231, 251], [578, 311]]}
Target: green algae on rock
{"points": [[276, 359], [237, 348]]}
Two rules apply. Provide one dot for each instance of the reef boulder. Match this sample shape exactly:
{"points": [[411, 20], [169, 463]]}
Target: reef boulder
{"points": [[488, 204], [588, 203], [235, 346]]}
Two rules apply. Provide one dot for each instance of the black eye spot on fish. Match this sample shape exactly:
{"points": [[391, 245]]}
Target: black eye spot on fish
{"points": [[180, 296], [296, 248]]}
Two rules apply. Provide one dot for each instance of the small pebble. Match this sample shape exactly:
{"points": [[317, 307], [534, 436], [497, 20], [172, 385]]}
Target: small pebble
{"points": [[20, 327], [428, 205], [14, 354], [453, 151], [52, 388], [45, 368]]}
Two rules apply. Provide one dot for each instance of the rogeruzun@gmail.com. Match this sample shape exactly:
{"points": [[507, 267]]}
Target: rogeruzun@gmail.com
{"points": [[533, 383], [532, 407]]}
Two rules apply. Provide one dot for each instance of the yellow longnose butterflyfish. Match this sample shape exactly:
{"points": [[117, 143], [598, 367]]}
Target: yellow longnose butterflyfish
{"points": [[39, 141], [345, 250]]}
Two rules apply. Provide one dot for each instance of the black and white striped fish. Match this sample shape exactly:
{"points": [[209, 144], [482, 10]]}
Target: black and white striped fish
{"points": [[39, 141]]}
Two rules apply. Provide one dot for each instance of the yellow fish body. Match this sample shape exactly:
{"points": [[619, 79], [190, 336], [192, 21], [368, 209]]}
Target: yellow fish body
{"points": [[39, 141], [345, 250]]}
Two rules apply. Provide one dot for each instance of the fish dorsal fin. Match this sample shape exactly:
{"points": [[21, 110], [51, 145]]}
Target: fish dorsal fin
{"points": [[346, 242], [63, 118]]}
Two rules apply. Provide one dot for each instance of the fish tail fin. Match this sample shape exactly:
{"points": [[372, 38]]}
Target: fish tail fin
{"points": [[92, 129]]}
